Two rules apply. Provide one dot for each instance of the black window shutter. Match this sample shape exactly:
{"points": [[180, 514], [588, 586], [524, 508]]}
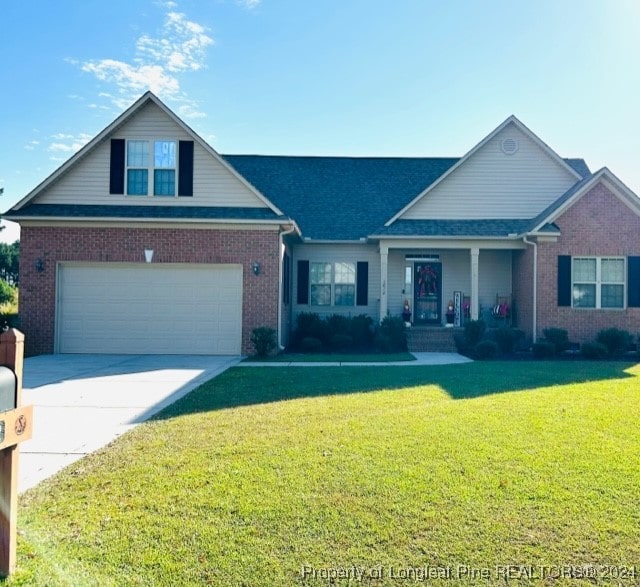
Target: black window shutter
{"points": [[362, 283], [564, 280], [303, 282], [116, 170], [185, 171], [633, 282]]}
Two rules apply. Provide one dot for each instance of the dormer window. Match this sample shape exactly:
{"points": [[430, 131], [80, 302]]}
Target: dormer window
{"points": [[142, 179]]}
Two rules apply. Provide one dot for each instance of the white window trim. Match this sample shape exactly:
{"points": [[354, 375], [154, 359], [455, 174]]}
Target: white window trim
{"points": [[333, 285], [150, 167], [599, 283]]}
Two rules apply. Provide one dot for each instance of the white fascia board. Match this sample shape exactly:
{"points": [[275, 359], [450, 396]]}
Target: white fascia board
{"points": [[511, 120], [452, 243], [126, 115]]}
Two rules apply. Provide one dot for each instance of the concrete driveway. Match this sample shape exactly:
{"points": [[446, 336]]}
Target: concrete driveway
{"points": [[83, 402]]}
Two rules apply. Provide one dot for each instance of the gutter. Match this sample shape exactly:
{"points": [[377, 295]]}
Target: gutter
{"points": [[535, 284], [280, 270]]}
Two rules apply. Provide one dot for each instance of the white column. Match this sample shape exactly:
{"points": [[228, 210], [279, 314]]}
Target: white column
{"points": [[475, 306], [383, 282]]}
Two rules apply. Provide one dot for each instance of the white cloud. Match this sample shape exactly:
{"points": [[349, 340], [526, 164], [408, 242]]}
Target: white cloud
{"points": [[248, 4], [180, 47], [31, 145], [64, 143]]}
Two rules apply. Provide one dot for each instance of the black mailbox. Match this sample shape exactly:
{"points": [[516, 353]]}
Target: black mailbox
{"points": [[8, 389]]}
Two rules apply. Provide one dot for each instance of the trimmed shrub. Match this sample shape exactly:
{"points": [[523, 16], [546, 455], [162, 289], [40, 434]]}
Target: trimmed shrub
{"points": [[7, 292], [382, 343], [310, 344], [616, 341], [486, 350], [309, 324], [361, 330], [593, 350], [338, 324], [558, 337], [474, 331], [506, 338], [263, 340], [393, 327], [340, 342], [544, 350]]}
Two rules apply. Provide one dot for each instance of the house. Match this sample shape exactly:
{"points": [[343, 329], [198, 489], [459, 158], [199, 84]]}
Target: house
{"points": [[149, 241]]}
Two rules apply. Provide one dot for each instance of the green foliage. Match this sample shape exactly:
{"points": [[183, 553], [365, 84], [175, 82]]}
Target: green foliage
{"points": [[616, 341], [9, 320], [263, 340], [341, 342], [394, 328], [506, 339], [593, 350], [338, 324], [544, 349], [311, 344], [486, 350], [474, 331], [9, 259], [558, 337], [7, 292], [310, 324], [382, 343], [361, 330]]}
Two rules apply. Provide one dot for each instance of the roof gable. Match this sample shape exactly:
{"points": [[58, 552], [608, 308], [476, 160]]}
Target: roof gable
{"points": [[83, 179], [511, 173]]}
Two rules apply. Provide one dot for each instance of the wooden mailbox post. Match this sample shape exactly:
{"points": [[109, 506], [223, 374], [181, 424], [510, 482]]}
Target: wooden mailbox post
{"points": [[16, 425]]}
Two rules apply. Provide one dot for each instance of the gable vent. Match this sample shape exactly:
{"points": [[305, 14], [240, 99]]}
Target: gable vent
{"points": [[509, 146]]}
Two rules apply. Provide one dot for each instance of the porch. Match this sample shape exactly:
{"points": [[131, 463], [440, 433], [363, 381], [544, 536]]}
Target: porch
{"points": [[432, 339]]}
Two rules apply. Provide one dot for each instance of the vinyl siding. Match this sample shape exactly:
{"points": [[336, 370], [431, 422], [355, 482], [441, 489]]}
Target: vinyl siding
{"points": [[88, 181], [339, 253], [491, 184]]}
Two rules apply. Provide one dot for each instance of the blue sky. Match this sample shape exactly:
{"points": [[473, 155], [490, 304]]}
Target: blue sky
{"points": [[338, 77]]}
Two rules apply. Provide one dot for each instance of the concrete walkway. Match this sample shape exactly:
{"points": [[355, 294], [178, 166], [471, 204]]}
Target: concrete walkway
{"points": [[421, 359], [83, 402]]}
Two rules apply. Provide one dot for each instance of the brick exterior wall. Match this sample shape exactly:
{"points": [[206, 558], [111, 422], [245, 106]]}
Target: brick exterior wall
{"points": [[126, 245], [599, 224], [522, 272]]}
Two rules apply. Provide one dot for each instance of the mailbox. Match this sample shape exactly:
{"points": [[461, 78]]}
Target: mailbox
{"points": [[8, 390]]}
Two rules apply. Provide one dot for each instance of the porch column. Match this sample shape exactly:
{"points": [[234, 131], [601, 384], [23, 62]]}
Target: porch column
{"points": [[384, 254], [475, 306]]}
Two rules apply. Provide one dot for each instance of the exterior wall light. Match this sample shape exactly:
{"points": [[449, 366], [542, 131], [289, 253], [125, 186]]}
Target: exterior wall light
{"points": [[39, 265], [256, 268]]}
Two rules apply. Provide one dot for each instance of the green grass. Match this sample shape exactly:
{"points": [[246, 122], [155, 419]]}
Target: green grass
{"points": [[335, 358], [261, 472]]}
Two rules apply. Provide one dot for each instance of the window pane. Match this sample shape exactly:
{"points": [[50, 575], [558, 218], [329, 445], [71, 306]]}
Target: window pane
{"points": [[320, 295], [137, 182], [612, 296], [137, 154], [612, 270], [345, 273], [165, 154], [164, 182], [320, 273], [584, 296], [584, 270], [345, 295]]}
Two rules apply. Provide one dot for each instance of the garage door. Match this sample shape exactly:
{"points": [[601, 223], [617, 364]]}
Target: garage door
{"points": [[149, 309]]}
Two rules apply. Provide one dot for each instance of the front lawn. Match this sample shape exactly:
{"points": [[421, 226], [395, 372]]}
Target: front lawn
{"points": [[335, 358], [289, 476]]}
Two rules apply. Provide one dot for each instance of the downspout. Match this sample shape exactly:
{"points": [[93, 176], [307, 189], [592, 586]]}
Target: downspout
{"points": [[535, 284], [280, 263]]}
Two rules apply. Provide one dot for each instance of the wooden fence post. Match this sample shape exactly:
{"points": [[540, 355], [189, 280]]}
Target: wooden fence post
{"points": [[12, 356]]}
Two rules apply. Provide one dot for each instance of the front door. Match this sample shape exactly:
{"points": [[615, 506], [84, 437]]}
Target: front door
{"points": [[427, 292]]}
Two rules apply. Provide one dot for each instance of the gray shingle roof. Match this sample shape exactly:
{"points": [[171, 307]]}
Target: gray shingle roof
{"points": [[145, 212], [479, 228]]}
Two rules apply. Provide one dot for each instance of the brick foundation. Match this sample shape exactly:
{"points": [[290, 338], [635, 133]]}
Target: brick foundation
{"points": [[126, 245]]}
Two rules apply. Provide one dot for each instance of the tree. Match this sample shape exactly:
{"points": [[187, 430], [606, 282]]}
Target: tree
{"points": [[9, 258]]}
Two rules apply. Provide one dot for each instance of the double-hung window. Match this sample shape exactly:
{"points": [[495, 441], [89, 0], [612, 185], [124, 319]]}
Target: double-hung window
{"points": [[147, 175], [332, 284], [598, 282]]}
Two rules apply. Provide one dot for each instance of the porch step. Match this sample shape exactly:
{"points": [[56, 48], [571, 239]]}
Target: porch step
{"points": [[432, 339]]}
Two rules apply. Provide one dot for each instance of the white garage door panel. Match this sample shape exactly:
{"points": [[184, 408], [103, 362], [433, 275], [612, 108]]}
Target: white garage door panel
{"points": [[152, 309]]}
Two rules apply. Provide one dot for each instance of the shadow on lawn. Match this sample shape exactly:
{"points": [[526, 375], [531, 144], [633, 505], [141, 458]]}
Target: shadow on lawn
{"points": [[251, 386]]}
